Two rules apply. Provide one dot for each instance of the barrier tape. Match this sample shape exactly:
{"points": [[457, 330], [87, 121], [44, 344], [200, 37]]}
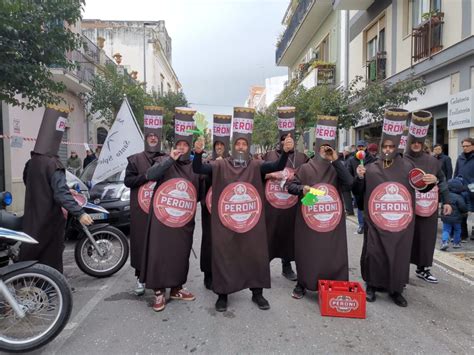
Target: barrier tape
{"points": [[30, 139]]}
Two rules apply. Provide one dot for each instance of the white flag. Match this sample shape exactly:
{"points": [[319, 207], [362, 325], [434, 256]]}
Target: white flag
{"points": [[124, 139]]}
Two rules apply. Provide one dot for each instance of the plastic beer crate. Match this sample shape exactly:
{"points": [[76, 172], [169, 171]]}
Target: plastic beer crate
{"points": [[341, 299]]}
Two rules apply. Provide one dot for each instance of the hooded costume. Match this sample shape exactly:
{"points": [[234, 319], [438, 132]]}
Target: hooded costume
{"points": [[47, 192], [280, 206], [320, 229], [426, 209], [141, 190], [171, 223]]}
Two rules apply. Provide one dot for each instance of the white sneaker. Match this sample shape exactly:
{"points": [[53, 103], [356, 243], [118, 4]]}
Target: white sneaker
{"points": [[139, 289]]}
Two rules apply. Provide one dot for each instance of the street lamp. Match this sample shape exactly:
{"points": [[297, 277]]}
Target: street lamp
{"points": [[144, 51]]}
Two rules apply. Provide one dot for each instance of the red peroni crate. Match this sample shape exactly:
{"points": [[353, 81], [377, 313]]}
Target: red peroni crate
{"points": [[341, 299]]}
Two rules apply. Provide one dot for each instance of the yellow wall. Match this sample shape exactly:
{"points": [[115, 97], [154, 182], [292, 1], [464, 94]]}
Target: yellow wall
{"points": [[452, 28]]}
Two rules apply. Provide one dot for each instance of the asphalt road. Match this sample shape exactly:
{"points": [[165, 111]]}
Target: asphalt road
{"points": [[108, 319]]}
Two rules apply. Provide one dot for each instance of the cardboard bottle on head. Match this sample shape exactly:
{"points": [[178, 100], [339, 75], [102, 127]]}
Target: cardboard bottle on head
{"points": [[242, 128], [394, 123], [418, 129], [183, 123], [286, 121], [326, 131], [221, 133], [153, 124], [51, 130]]}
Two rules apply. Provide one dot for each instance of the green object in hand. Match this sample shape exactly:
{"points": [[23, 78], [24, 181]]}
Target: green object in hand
{"points": [[201, 124], [309, 199]]}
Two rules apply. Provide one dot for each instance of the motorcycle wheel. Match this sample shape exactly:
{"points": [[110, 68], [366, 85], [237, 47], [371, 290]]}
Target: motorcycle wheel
{"points": [[45, 297], [112, 242]]}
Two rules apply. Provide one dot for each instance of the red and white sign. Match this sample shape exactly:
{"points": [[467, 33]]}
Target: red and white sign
{"points": [[209, 200], [277, 195], [240, 207], [426, 203], [221, 129], [343, 304], [145, 193], [418, 131], [153, 122], [61, 124], [390, 207], [182, 127], [242, 125], [393, 128], [286, 124], [326, 132], [175, 202], [324, 215]]}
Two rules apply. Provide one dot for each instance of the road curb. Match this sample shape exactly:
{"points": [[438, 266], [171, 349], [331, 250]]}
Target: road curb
{"points": [[447, 260]]}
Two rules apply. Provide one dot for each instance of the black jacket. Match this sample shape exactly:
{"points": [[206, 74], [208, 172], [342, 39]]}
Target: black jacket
{"points": [[446, 165], [352, 165]]}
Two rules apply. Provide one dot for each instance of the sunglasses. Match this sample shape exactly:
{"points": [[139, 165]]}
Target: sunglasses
{"points": [[388, 146]]}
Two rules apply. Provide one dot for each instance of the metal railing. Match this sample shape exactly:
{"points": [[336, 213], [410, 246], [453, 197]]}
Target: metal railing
{"points": [[90, 49], [376, 67], [298, 16], [427, 37]]}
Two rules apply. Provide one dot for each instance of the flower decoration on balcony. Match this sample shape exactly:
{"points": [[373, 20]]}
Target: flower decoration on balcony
{"points": [[100, 42], [321, 64]]}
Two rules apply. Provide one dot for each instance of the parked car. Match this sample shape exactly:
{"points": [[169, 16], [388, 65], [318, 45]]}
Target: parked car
{"points": [[111, 194]]}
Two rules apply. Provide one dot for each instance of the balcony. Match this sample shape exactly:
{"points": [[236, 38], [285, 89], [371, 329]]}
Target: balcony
{"points": [[376, 68], [352, 4], [76, 80], [320, 75], [308, 16], [427, 37]]}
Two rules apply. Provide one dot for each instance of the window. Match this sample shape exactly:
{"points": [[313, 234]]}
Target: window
{"points": [[375, 37], [321, 52], [421, 7]]}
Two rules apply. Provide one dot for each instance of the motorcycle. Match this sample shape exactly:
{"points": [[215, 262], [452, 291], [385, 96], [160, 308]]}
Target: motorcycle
{"points": [[35, 299], [102, 249]]}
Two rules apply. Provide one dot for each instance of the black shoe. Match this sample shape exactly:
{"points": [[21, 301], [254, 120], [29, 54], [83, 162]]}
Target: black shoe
{"points": [[261, 302], [288, 272], [298, 292], [221, 304], [208, 280], [370, 294], [360, 230], [398, 299]]}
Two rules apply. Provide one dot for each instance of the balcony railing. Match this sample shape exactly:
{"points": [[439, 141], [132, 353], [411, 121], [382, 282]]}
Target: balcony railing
{"points": [[427, 37], [90, 49], [376, 68], [298, 16], [85, 69]]}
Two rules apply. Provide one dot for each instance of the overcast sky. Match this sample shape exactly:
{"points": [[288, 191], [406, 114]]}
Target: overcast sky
{"points": [[220, 47]]}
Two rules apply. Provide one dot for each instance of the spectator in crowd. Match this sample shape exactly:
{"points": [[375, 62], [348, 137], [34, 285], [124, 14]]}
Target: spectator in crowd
{"points": [[465, 169], [452, 222], [97, 151], [446, 164], [74, 163], [90, 157]]}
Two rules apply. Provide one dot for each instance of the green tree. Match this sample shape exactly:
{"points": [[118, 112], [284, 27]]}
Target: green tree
{"points": [[265, 129], [108, 91], [34, 36], [169, 101]]}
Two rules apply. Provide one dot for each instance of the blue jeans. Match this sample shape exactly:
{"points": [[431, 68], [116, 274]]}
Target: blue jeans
{"points": [[360, 218], [447, 228]]}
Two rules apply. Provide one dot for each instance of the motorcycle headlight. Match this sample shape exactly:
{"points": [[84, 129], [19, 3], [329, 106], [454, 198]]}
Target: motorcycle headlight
{"points": [[125, 195]]}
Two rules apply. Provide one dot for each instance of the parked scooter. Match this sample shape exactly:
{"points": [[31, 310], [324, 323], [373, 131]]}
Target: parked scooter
{"points": [[101, 249], [35, 299]]}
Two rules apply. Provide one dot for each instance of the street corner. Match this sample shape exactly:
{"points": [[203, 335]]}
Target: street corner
{"points": [[461, 262]]}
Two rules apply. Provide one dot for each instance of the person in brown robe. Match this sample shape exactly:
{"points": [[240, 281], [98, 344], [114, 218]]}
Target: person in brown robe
{"points": [[389, 214], [239, 237], [320, 230], [46, 192], [280, 206], [141, 189], [426, 211], [169, 236], [220, 150]]}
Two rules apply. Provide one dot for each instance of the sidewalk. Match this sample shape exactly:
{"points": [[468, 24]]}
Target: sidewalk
{"points": [[460, 261]]}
